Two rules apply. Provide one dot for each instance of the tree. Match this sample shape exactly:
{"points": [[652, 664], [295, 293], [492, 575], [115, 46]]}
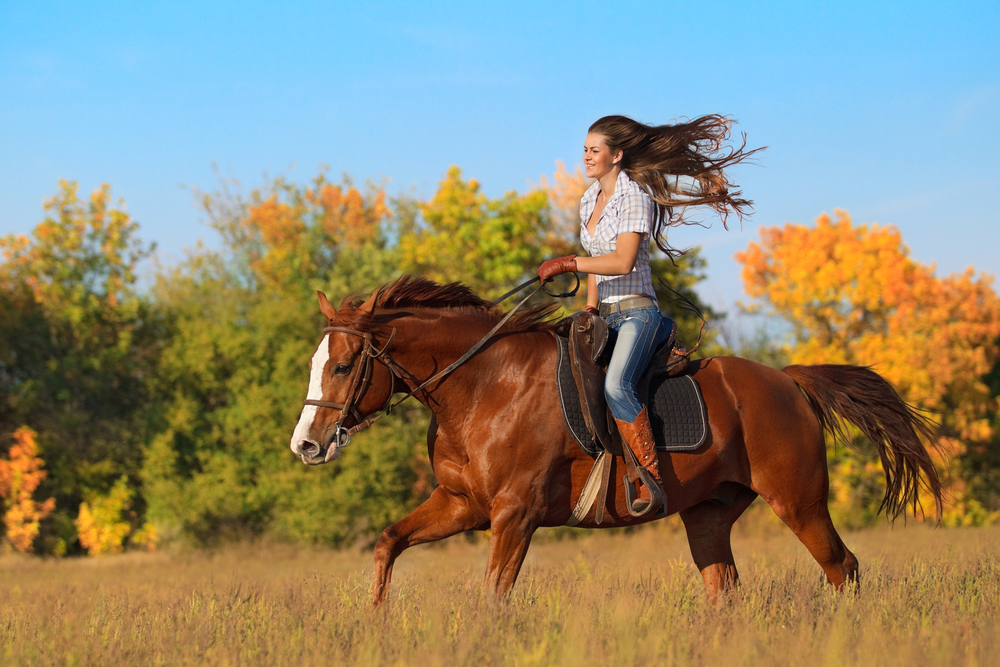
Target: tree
{"points": [[78, 345], [852, 294], [462, 235], [20, 475], [243, 324]]}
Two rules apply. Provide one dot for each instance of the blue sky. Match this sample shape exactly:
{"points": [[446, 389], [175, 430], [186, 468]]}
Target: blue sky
{"points": [[889, 110]]}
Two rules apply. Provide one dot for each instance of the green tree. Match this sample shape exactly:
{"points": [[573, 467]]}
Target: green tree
{"points": [[78, 345], [462, 235], [244, 322]]}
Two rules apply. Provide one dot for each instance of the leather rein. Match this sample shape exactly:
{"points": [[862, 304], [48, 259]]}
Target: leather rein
{"points": [[371, 353]]}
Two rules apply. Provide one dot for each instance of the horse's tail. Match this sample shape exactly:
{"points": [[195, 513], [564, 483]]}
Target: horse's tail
{"points": [[862, 397]]}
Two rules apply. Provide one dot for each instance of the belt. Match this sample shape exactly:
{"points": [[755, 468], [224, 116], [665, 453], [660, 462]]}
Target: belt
{"points": [[607, 309]]}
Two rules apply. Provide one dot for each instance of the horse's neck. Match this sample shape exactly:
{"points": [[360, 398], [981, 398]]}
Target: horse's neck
{"points": [[430, 342]]}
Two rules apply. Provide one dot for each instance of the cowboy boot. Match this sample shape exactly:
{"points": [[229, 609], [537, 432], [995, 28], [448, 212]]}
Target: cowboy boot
{"points": [[639, 436]]}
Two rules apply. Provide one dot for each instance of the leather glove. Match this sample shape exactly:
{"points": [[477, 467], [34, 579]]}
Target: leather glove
{"points": [[554, 267], [592, 309]]}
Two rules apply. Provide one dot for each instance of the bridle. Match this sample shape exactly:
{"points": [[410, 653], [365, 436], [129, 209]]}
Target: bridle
{"points": [[359, 384], [371, 353]]}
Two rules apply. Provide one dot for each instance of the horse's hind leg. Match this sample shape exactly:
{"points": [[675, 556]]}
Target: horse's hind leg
{"points": [[440, 516], [815, 530], [709, 525], [808, 516]]}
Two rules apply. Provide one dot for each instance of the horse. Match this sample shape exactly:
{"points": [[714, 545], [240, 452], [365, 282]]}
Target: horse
{"points": [[505, 461]]}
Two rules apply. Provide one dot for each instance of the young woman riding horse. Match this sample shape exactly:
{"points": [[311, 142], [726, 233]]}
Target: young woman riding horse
{"points": [[636, 168], [502, 455]]}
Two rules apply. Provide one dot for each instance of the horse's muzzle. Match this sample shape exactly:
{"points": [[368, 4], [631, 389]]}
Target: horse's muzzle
{"points": [[312, 453]]}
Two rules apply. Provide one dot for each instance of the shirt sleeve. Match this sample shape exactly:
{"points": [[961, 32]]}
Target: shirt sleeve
{"points": [[636, 213]]}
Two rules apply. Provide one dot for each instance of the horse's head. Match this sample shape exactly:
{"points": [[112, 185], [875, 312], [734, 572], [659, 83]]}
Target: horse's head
{"points": [[345, 385]]}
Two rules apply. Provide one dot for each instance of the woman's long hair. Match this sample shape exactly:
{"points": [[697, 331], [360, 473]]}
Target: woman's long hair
{"points": [[654, 155]]}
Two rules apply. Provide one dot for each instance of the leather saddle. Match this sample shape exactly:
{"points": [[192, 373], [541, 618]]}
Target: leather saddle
{"points": [[589, 355]]}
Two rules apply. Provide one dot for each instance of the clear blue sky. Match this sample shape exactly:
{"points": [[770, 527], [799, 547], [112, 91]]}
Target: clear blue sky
{"points": [[887, 109]]}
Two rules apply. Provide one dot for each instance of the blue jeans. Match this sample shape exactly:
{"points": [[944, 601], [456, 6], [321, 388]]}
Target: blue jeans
{"points": [[638, 333]]}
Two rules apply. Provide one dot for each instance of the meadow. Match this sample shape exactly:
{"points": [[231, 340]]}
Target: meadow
{"points": [[928, 597]]}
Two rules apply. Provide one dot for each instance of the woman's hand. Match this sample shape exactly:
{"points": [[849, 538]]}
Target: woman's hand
{"points": [[554, 267]]}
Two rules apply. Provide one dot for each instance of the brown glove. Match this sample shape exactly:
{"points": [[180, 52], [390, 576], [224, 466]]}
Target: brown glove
{"points": [[554, 267], [592, 309]]}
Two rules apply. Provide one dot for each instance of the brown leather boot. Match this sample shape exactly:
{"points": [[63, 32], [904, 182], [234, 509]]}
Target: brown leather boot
{"points": [[639, 436]]}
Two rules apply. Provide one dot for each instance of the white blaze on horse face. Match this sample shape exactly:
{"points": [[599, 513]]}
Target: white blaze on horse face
{"points": [[320, 357]]}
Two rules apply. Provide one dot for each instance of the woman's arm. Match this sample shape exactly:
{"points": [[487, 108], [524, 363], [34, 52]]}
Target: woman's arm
{"points": [[592, 299], [617, 263]]}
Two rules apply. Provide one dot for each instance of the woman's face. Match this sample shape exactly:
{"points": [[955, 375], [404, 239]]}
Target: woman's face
{"points": [[597, 158]]}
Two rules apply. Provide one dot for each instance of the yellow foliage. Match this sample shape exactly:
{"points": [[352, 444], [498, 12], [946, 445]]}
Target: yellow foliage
{"points": [[489, 244], [73, 239], [100, 525], [146, 537], [20, 475]]}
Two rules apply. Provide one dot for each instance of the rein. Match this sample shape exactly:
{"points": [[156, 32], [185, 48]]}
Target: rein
{"points": [[370, 353]]}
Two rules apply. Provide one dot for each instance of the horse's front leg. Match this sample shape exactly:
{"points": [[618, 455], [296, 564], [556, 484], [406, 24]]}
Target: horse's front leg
{"points": [[440, 516], [511, 526]]}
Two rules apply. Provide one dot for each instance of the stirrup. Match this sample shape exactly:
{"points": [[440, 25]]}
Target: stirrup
{"points": [[641, 508]]}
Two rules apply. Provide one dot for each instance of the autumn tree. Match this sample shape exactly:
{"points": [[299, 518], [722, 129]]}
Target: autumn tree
{"points": [[20, 474], [852, 294], [564, 191], [77, 345], [243, 324], [463, 235]]}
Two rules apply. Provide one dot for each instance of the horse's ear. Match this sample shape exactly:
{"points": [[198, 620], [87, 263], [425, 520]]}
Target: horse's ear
{"points": [[369, 305], [325, 306]]}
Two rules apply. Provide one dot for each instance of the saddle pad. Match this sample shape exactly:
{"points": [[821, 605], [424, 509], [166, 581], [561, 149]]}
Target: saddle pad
{"points": [[569, 400], [676, 409], [677, 413]]}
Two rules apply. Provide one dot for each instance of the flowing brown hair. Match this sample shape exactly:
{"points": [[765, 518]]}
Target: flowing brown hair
{"points": [[651, 154]]}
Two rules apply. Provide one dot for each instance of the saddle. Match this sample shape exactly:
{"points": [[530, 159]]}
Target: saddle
{"points": [[676, 409], [589, 356]]}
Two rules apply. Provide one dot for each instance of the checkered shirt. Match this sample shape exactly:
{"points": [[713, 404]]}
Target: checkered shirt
{"points": [[630, 209]]}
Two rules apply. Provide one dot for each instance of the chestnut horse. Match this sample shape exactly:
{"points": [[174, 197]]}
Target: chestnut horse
{"points": [[505, 461]]}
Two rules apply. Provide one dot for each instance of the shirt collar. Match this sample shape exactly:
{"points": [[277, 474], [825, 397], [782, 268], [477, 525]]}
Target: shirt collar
{"points": [[621, 185]]}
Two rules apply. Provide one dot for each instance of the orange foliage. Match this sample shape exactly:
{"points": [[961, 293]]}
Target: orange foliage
{"points": [[853, 295], [20, 475], [282, 231], [346, 216], [288, 242]]}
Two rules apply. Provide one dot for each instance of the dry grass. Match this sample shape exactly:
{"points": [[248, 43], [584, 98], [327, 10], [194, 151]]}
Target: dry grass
{"points": [[928, 598]]}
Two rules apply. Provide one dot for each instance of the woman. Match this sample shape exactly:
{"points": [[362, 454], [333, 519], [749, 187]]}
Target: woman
{"points": [[637, 169]]}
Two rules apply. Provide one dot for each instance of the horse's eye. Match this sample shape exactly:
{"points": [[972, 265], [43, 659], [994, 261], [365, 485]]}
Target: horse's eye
{"points": [[342, 369]]}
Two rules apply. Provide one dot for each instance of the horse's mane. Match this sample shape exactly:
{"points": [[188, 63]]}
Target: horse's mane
{"points": [[419, 292]]}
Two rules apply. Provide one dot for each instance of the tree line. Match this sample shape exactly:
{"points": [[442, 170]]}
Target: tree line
{"points": [[135, 417]]}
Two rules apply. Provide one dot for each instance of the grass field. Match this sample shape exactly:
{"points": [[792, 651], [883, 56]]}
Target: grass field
{"points": [[928, 597]]}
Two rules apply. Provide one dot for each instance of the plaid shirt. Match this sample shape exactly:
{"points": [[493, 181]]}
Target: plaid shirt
{"points": [[630, 209]]}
